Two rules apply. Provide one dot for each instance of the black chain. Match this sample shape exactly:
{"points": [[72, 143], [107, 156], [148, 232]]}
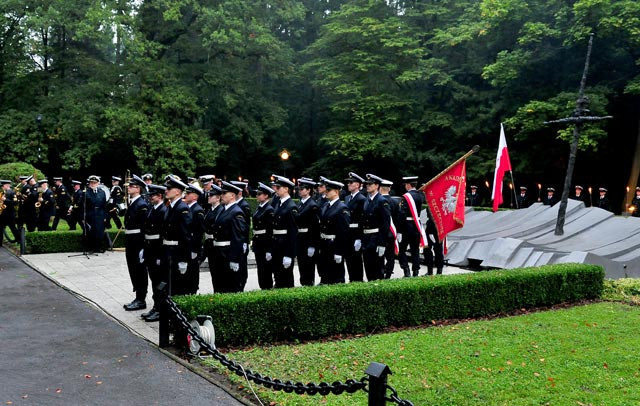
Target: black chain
{"points": [[323, 388], [395, 399]]}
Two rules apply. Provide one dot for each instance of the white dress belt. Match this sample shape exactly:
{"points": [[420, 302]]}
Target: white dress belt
{"points": [[221, 243], [327, 236], [353, 225], [135, 231], [370, 230], [409, 218], [169, 242], [303, 230], [152, 236], [208, 236], [279, 232], [259, 232]]}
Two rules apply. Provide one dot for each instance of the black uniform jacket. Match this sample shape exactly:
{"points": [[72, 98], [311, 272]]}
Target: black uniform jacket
{"points": [[176, 227], [334, 222], [231, 226], [376, 215], [308, 223], [262, 226], [285, 229]]}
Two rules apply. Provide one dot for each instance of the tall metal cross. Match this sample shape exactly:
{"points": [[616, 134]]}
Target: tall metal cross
{"points": [[578, 118]]}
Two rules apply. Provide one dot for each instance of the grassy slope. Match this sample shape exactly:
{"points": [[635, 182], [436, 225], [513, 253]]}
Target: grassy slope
{"points": [[582, 355]]}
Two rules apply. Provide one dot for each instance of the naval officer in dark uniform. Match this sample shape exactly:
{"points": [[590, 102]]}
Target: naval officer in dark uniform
{"points": [[635, 203], [308, 233], [76, 211], [8, 216], [284, 233], [550, 199], [192, 195], [522, 199], [63, 202], [603, 201], [134, 221], [115, 203], [376, 219], [95, 204], [229, 235], [262, 235], [409, 234], [392, 239], [176, 237], [580, 196], [152, 255], [213, 200], [47, 205], [333, 243], [246, 210], [355, 203]]}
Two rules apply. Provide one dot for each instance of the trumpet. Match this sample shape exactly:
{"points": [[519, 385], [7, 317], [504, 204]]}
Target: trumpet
{"points": [[39, 203]]}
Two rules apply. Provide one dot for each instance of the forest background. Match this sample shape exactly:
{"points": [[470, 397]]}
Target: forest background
{"points": [[391, 87]]}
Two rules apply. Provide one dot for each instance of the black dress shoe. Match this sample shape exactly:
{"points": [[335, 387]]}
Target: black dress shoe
{"points": [[153, 317], [149, 313], [137, 304]]}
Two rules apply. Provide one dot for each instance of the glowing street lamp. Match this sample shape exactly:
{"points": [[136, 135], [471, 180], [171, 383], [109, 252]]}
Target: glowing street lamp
{"points": [[284, 156]]}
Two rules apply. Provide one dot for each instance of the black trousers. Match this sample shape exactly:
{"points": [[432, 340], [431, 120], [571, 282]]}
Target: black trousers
{"points": [[152, 262], [113, 214], [434, 255], [8, 220], [329, 271], [412, 242], [265, 271], [373, 264], [61, 214], [306, 265], [354, 263], [224, 279], [283, 277], [137, 271], [389, 258]]}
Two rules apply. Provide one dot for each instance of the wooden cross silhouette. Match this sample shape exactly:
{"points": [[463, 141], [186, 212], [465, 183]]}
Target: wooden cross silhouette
{"points": [[578, 118]]}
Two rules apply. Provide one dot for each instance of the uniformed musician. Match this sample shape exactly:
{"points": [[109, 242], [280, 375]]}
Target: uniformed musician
{"points": [[308, 233], [376, 219], [355, 202], [75, 214], [63, 202], [191, 197], [152, 255], [22, 201], [45, 205], [284, 233], [30, 197], [262, 237], [95, 202], [115, 205], [176, 237], [229, 235], [411, 236], [333, 243], [134, 221], [8, 213]]}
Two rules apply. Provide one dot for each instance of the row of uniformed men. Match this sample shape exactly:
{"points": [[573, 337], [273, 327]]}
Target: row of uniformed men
{"points": [[165, 241]]}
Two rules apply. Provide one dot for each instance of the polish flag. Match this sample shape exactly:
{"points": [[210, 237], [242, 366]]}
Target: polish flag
{"points": [[503, 164]]}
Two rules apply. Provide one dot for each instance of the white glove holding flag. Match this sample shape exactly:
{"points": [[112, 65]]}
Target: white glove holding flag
{"points": [[399, 238], [338, 259], [357, 244], [286, 262], [182, 267], [268, 256], [311, 251], [234, 266], [380, 250]]}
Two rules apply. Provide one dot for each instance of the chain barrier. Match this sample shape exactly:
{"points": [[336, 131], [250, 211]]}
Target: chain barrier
{"points": [[323, 388], [395, 399]]}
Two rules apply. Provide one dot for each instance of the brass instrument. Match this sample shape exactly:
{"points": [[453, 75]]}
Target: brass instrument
{"points": [[39, 203], [2, 205]]}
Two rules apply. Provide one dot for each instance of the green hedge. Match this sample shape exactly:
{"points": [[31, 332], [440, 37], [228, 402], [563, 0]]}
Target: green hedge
{"points": [[42, 242], [321, 311]]}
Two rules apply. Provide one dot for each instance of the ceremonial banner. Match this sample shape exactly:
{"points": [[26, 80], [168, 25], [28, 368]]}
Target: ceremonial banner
{"points": [[445, 196], [503, 164]]}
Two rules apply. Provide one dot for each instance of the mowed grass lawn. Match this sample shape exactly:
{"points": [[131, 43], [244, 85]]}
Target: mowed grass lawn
{"points": [[577, 356]]}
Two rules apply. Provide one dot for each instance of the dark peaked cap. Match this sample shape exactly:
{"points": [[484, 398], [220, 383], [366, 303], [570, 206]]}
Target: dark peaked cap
{"points": [[137, 181], [173, 182], [192, 188], [282, 181], [306, 183], [410, 179], [332, 184]]}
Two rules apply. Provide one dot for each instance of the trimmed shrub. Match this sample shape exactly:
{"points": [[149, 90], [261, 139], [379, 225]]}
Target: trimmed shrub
{"points": [[13, 170], [321, 311], [43, 242]]}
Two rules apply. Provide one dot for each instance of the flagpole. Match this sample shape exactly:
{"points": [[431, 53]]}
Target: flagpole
{"points": [[514, 189], [475, 148]]}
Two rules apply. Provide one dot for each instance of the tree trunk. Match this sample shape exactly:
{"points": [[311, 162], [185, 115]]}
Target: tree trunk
{"points": [[633, 175]]}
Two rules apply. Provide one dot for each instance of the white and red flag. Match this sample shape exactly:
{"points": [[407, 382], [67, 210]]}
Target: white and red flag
{"points": [[445, 196], [503, 164]]}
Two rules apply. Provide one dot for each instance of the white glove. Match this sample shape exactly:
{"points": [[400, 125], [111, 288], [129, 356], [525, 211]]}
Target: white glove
{"points": [[141, 255], [380, 250], [286, 262], [268, 256], [110, 201], [310, 251], [357, 244], [157, 262], [245, 247], [194, 255], [234, 266], [399, 238], [182, 267], [337, 258]]}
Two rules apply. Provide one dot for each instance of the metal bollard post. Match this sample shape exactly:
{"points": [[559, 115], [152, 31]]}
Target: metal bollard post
{"points": [[163, 339], [23, 242], [377, 383]]}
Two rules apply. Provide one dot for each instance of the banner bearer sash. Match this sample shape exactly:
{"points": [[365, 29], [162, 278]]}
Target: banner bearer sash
{"points": [[416, 218], [392, 228]]}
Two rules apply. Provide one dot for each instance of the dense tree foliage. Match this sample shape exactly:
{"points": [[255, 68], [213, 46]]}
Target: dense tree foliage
{"points": [[395, 87]]}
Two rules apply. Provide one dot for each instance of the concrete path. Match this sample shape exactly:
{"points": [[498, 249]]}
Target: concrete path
{"points": [[104, 279], [59, 350]]}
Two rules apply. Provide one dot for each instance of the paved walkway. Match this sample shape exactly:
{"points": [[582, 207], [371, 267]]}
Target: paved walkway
{"points": [[104, 279], [59, 350]]}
